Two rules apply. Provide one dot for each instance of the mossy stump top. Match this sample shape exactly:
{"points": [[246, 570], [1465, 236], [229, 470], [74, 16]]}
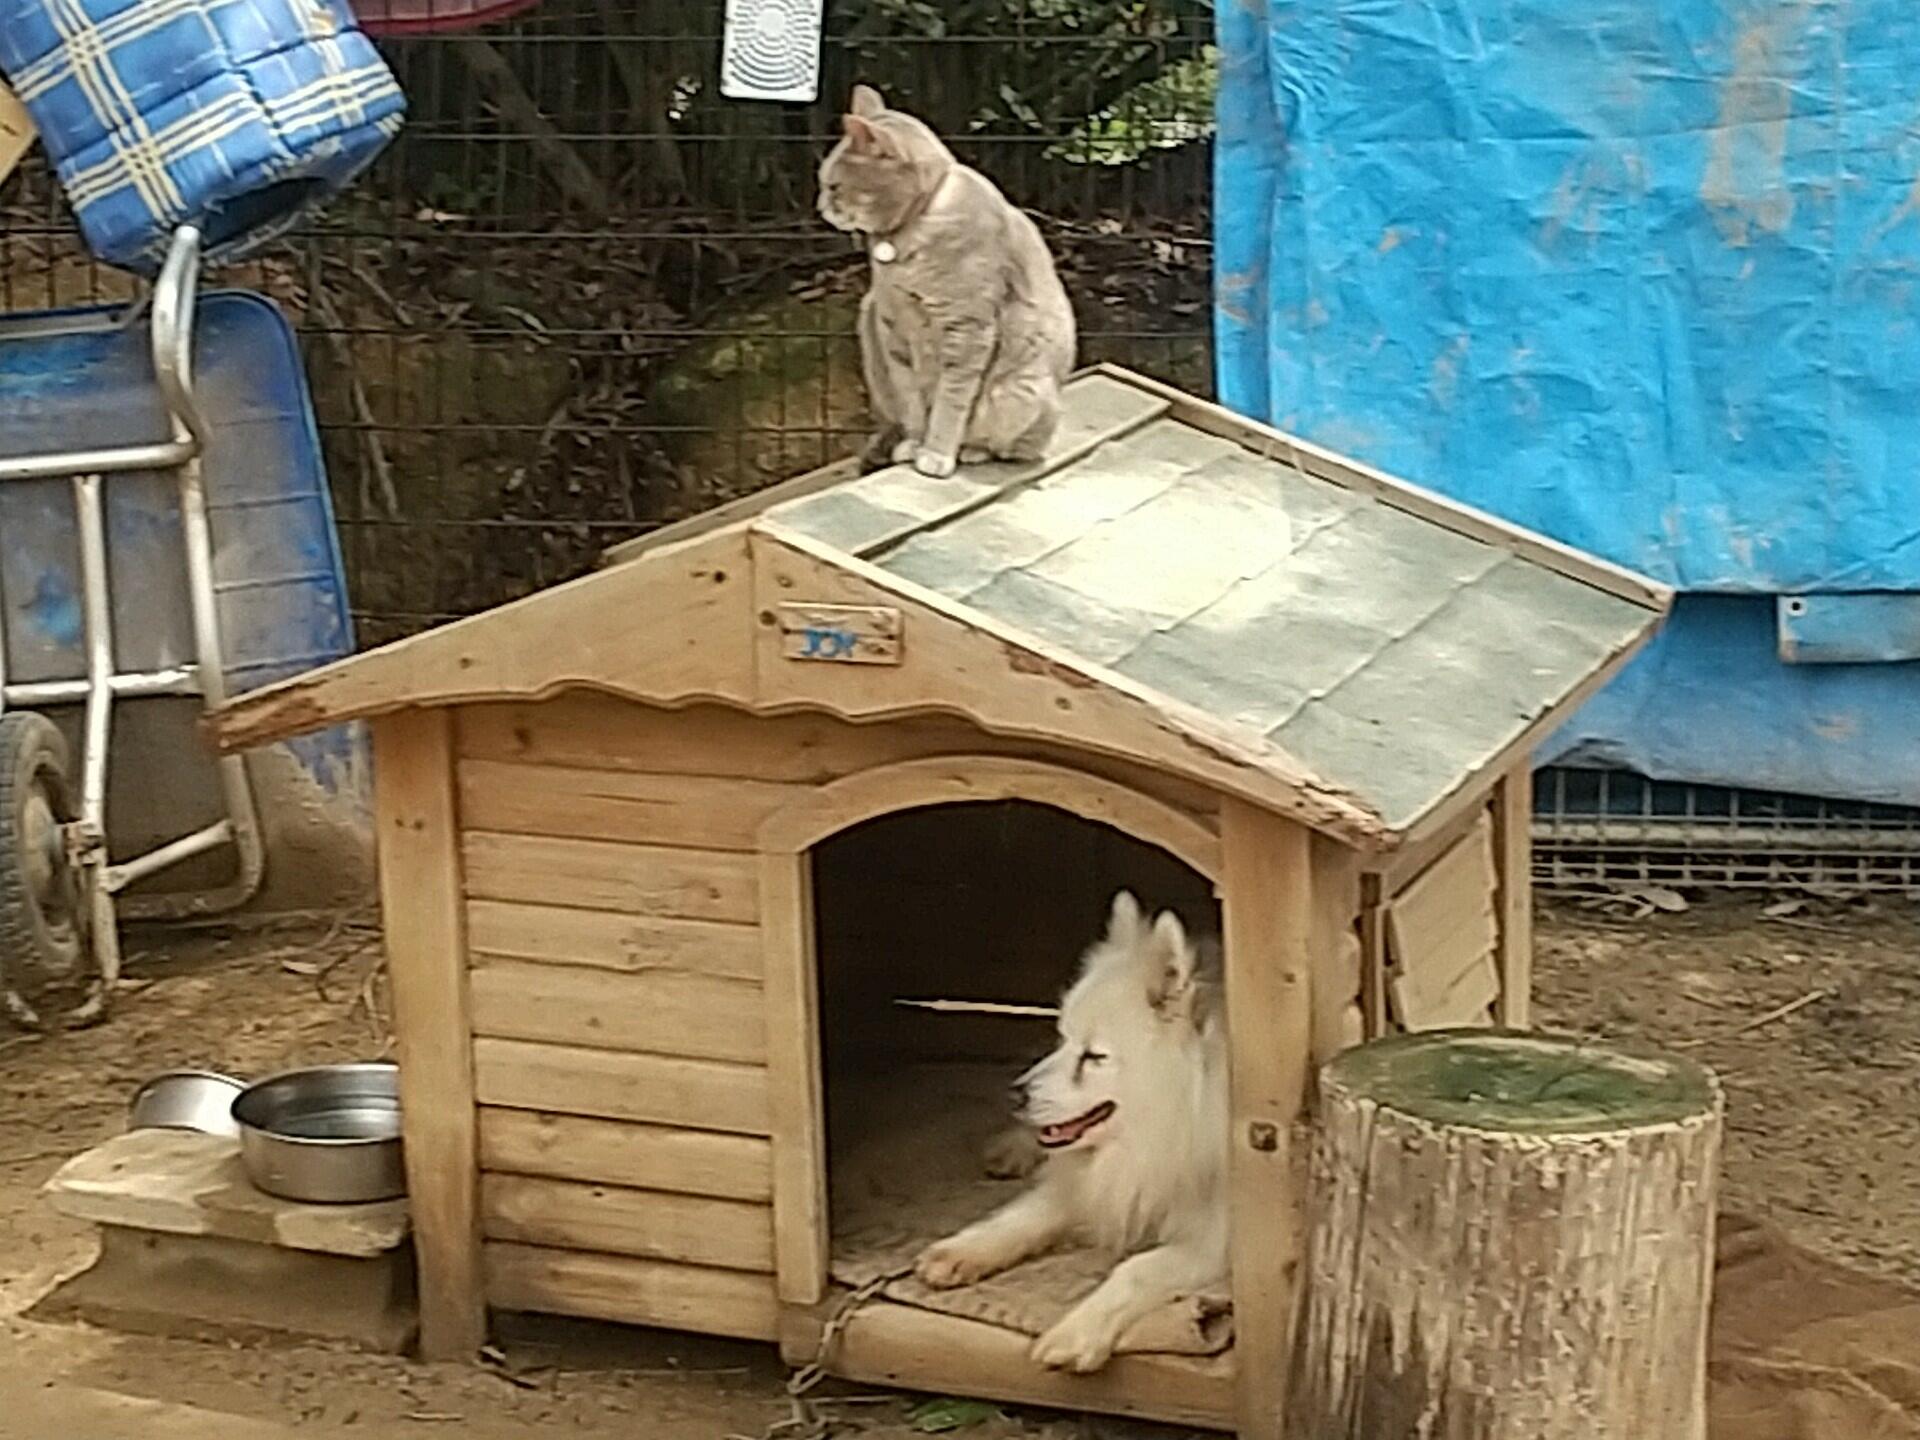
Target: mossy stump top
{"points": [[1524, 1083]]}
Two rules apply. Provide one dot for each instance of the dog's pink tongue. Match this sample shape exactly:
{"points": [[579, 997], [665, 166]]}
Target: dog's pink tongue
{"points": [[1068, 1131]]}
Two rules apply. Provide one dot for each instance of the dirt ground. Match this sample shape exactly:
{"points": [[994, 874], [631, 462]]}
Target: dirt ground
{"points": [[1823, 1140]]}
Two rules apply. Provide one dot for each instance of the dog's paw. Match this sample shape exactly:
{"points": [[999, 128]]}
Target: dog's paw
{"points": [[975, 454], [905, 450], [1075, 1345], [949, 1264], [1013, 1154], [932, 462]]}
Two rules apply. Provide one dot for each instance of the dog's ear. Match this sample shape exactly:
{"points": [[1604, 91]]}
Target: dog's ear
{"points": [[865, 102], [1124, 921], [1170, 986]]}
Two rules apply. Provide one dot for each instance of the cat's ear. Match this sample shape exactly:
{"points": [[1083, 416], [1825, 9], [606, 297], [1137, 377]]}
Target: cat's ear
{"points": [[861, 136], [866, 102]]}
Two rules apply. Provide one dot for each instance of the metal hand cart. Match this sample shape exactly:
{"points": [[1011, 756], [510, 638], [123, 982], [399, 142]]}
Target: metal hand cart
{"points": [[58, 885]]}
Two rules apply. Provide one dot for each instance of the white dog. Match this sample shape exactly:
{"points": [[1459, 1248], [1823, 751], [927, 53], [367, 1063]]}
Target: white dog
{"points": [[1131, 1112]]}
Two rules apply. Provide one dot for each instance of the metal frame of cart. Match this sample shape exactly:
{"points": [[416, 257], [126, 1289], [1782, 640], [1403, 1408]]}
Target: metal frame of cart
{"points": [[67, 841]]}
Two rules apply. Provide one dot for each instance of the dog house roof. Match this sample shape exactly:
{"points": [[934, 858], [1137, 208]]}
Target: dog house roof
{"points": [[1208, 595]]}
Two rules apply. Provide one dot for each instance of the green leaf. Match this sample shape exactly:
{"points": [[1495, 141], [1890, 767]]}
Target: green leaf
{"points": [[939, 1417]]}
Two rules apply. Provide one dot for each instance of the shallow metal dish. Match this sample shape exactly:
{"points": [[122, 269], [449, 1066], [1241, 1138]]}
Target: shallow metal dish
{"points": [[329, 1134], [186, 1100]]}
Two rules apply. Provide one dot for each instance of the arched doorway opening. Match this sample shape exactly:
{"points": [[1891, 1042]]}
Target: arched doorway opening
{"points": [[967, 904]]}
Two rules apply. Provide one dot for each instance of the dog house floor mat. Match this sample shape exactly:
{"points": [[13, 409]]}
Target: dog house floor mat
{"points": [[908, 1167]]}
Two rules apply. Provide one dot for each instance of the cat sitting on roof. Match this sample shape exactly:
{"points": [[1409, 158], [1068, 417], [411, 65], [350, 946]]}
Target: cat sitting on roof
{"points": [[966, 335]]}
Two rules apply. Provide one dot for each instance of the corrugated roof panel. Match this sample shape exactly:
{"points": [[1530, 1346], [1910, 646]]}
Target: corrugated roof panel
{"points": [[1338, 576], [1385, 653], [1216, 669], [1446, 697], [905, 491], [884, 507], [1179, 550], [1028, 523], [1274, 642], [1097, 405], [1320, 613], [1175, 443], [1100, 631], [845, 521], [1117, 543]]}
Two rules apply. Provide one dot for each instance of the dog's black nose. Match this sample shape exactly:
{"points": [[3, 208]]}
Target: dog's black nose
{"points": [[1017, 1093]]}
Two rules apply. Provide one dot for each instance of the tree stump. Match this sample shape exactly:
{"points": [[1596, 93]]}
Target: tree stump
{"points": [[1512, 1240]]}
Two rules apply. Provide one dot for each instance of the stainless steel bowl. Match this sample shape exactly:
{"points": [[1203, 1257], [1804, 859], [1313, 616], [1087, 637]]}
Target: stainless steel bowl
{"points": [[329, 1134], [186, 1100]]}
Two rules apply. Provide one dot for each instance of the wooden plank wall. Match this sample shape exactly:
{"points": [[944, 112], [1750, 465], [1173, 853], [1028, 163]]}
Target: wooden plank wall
{"points": [[1445, 938], [620, 1041], [1443, 935], [620, 1050]]}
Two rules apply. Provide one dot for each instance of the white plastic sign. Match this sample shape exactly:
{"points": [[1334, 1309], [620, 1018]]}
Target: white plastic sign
{"points": [[771, 50]]}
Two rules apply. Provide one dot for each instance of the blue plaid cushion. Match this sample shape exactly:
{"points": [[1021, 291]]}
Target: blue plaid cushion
{"points": [[232, 115]]}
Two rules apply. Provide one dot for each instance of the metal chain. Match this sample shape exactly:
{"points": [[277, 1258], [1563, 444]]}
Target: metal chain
{"points": [[811, 1374], [805, 1423]]}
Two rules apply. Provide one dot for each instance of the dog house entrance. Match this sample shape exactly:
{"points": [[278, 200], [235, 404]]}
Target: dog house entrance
{"points": [[971, 903]]}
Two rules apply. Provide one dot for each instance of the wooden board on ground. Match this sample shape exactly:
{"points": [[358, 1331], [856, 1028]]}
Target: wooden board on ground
{"points": [[16, 131], [889, 1344]]}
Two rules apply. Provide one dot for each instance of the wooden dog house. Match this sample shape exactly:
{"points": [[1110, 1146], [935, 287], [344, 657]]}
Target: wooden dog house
{"points": [[600, 810]]}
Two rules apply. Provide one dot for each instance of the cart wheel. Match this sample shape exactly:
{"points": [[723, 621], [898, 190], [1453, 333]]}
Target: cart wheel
{"points": [[43, 941]]}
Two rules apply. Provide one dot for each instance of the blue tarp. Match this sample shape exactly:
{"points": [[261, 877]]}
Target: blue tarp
{"points": [[1641, 276]]}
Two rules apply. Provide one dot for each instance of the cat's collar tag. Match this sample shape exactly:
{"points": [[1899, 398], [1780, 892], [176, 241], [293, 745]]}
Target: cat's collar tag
{"points": [[884, 252]]}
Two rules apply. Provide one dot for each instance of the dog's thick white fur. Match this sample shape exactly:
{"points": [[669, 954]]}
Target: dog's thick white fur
{"points": [[1130, 1111]]}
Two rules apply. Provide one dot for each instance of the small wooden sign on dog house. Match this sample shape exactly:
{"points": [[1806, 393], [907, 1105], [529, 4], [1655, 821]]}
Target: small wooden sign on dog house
{"points": [[613, 821], [847, 634]]}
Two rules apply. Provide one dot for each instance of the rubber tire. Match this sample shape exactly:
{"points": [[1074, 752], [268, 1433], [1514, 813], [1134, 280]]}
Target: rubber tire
{"points": [[35, 958]]}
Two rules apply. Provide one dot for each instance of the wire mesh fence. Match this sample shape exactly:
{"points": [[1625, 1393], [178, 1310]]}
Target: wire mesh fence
{"points": [[1611, 829], [584, 295]]}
